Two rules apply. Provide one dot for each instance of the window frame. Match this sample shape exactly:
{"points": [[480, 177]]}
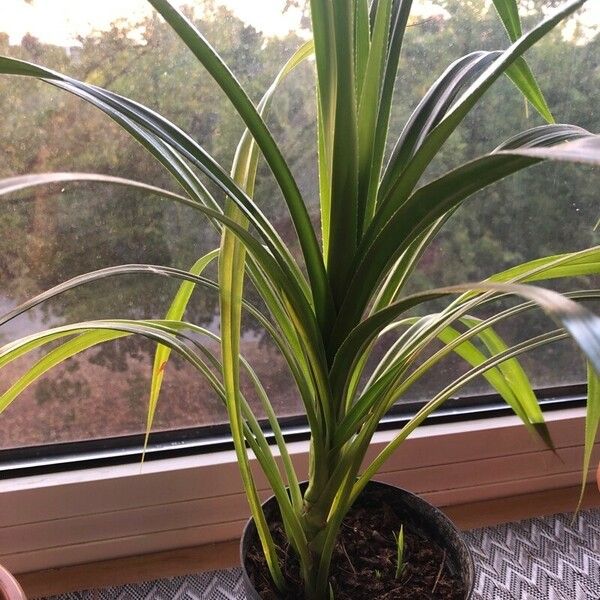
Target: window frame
{"points": [[111, 511], [123, 449]]}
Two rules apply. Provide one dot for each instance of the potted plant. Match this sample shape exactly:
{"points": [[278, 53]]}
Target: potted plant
{"points": [[327, 308], [9, 587]]}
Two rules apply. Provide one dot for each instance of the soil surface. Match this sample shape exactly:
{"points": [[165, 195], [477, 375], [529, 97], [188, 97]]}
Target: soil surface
{"points": [[364, 562]]}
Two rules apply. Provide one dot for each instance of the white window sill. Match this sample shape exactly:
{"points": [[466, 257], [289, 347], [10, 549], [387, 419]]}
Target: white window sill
{"points": [[105, 513]]}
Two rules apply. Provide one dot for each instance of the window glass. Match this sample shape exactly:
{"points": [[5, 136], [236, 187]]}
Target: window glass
{"points": [[53, 233]]}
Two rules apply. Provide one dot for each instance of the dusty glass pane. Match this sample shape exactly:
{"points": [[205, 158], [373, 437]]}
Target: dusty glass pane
{"points": [[50, 234]]}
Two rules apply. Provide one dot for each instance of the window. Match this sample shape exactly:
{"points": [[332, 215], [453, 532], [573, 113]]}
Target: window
{"points": [[56, 233]]}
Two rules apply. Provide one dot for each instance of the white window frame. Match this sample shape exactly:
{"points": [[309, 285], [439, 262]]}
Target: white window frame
{"points": [[103, 513]]}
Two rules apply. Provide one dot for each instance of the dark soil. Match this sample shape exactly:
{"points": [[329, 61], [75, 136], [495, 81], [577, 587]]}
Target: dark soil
{"points": [[364, 561]]}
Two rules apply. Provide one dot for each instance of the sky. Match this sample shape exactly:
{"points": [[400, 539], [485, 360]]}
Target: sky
{"points": [[60, 21]]}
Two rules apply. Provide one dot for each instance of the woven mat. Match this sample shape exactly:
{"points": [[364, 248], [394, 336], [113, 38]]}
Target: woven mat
{"points": [[539, 559]]}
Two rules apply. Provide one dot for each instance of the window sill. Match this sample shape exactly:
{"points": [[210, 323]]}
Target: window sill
{"points": [[223, 555], [105, 513]]}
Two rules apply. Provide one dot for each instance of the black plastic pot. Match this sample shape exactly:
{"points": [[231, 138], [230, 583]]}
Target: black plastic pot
{"points": [[423, 517]]}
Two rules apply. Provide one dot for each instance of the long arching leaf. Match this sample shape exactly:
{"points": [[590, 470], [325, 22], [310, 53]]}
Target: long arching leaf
{"points": [[400, 14], [343, 217], [164, 136], [412, 343], [520, 73], [401, 188], [436, 199], [582, 325], [431, 110], [232, 260], [297, 300], [213, 63], [592, 423], [162, 353], [368, 112], [446, 393]]}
